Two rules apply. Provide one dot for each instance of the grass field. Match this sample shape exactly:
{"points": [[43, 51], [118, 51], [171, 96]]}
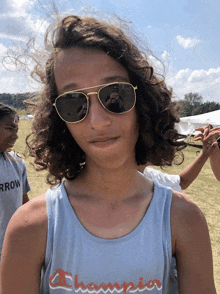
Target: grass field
{"points": [[204, 191]]}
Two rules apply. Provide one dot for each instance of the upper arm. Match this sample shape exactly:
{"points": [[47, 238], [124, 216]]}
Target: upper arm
{"points": [[24, 249], [192, 247]]}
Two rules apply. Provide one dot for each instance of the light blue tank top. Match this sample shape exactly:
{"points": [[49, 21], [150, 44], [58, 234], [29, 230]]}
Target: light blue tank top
{"points": [[78, 262]]}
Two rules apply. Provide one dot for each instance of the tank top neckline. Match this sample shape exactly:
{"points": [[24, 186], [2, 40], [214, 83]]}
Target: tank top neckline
{"points": [[126, 237]]}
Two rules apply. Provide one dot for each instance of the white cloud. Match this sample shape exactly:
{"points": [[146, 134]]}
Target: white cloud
{"points": [[18, 3], [205, 76], [201, 81], [17, 82], [3, 49], [187, 43], [158, 66], [182, 76], [14, 37], [7, 84], [165, 55], [20, 28], [11, 8], [17, 23]]}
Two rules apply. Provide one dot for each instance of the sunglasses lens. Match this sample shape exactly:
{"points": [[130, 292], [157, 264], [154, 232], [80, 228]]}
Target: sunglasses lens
{"points": [[118, 97], [72, 107]]}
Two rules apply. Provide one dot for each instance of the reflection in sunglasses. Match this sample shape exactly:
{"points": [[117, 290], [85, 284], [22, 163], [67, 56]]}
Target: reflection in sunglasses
{"points": [[114, 103]]}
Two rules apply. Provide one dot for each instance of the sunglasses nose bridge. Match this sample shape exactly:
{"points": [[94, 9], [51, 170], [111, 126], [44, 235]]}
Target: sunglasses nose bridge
{"points": [[92, 93]]}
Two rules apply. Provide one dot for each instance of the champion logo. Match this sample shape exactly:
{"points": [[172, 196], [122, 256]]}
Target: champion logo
{"points": [[63, 280], [60, 280]]}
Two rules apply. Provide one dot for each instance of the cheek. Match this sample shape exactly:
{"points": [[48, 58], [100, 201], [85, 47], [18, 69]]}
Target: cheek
{"points": [[5, 135], [76, 132]]}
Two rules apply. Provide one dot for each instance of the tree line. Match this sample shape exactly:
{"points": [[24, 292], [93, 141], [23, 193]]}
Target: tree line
{"points": [[15, 100], [192, 103]]}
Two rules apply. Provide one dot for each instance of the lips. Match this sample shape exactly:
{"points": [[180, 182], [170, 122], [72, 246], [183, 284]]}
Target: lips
{"points": [[103, 141]]}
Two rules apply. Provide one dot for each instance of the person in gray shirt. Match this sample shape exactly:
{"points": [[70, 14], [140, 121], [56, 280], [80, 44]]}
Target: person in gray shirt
{"points": [[13, 175]]}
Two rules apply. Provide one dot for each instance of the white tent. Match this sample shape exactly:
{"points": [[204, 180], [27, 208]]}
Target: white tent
{"points": [[187, 125]]}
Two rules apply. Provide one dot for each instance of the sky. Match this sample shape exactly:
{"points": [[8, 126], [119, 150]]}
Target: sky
{"points": [[184, 35]]}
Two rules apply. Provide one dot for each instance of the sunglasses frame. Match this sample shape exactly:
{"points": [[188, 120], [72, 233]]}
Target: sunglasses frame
{"points": [[97, 92]]}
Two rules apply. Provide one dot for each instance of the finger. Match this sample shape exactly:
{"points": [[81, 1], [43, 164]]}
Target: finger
{"points": [[206, 131], [213, 135], [198, 137], [215, 130], [214, 144], [199, 129]]}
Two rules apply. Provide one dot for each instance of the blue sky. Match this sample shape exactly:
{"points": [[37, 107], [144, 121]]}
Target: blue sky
{"points": [[185, 35]]}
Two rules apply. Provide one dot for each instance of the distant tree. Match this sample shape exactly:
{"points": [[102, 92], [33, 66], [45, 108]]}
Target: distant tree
{"points": [[15, 100], [193, 98], [192, 105], [197, 110], [213, 106], [6, 99]]}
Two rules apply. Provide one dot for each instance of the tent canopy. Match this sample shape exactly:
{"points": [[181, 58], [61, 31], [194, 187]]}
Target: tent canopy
{"points": [[187, 125]]}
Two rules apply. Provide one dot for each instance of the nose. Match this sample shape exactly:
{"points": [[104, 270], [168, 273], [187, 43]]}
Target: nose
{"points": [[99, 118]]}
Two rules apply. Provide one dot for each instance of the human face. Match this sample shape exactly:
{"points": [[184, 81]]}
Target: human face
{"points": [[8, 133], [103, 136]]}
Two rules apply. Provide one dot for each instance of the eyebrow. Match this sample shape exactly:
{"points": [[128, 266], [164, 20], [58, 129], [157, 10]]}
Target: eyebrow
{"points": [[75, 86], [115, 79]]}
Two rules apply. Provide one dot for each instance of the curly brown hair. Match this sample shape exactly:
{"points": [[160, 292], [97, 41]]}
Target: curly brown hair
{"points": [[51, 143]]}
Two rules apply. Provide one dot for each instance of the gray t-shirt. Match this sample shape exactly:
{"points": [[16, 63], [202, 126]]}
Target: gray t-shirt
{"points": [[13, 184]]}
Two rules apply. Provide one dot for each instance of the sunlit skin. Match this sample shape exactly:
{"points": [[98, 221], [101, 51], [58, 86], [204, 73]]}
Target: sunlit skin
{"points": [[8, 133]]}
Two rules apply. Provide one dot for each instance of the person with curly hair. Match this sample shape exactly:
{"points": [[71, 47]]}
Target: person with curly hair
{"points": [[104, 227], [14, 184]]}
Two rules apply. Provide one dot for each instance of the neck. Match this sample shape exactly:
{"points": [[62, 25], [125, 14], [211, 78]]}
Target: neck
{"points": [[112, 184]]}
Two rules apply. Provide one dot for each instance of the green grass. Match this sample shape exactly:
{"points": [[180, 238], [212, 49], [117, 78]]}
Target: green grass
{"points": [[37, 180], [204, 191]]}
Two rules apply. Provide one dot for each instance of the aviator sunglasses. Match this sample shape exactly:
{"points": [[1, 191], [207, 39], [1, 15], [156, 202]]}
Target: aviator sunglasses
{"points": [[117, 98]]}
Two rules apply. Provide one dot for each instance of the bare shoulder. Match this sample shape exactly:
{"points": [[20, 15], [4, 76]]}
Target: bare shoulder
{"points": [[24, 248], [183, 210], [31, 215], [187, 220], [191, 246], [29, 226]]}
